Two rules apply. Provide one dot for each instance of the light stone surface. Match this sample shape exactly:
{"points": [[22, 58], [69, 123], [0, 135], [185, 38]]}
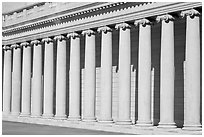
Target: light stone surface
{"points": [[192, 77], [74, 79], [167, 75], [106, 77], [48, 80], [26, 82], [124, 75], [144, 76], [36, 91], [61, 80], [16, 82], [7, 82], [90, 77]]}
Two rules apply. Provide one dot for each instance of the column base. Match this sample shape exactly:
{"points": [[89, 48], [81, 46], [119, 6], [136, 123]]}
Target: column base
{"points": [[192, 127], [6, 113], [123, 122], [36, 115], [72, 118], [144, 123], [62, 117], [89, 119], [25, 115], [105, 121], [15, 114], [166, 125], [47, 116]]}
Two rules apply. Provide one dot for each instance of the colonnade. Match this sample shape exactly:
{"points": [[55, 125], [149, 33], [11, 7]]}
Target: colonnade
{"points": [[32, 84]]}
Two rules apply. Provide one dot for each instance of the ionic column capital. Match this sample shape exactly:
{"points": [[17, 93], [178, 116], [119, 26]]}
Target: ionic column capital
{"points": [[6, 48], [166, 18], [47, 40], [191, 13], [15, 46], [88, 32], [73, 35], [35, 42], [104, 29], [142, 22], [123, 26], [24, 44], [59, 37]]}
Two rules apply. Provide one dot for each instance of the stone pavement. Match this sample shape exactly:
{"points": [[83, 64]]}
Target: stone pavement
{"points": [[17, 128]]}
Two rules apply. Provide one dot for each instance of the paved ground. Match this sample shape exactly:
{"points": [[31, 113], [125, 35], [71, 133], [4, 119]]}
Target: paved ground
{"points": [[16, 128]]}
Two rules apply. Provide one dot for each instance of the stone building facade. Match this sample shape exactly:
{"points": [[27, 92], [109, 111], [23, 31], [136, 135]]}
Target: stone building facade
{"points": [[113, 64]]}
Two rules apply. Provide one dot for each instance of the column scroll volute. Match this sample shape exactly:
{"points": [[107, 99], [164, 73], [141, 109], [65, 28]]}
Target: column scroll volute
{"points": [[166, 18], [59, 37], [25, 44], [35, 42], [104, 29], [47, 40], [88, 32], [123, 26], [143, 22], [192, 13], [5, 48], [73, 35], [15, 46]]}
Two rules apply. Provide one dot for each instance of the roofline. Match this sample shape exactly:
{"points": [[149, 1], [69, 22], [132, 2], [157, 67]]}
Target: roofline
{"points": [[22, 8]]}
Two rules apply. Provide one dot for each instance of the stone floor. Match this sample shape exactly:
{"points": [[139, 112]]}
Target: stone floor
{"points": [[17, 128], [97, 127]]}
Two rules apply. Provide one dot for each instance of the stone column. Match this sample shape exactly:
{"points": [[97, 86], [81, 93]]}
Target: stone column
{"points": [[48, 78], [192, 66], [124, 74], [90, 77], [7, 81], [144, 73], [36, 87], [61, 78], [26, 80], [74, 77], [16, 80], [167, 72], [106, 75]]}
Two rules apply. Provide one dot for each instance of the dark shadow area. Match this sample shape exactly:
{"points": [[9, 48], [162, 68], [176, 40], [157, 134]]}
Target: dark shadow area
{"points": [[155, 57], [115, 48], [179, 57], [54, 75], [98, 49], [67, 74], [201, 71], [82, 61], [43, 68], [2, 72], [134, 61]]}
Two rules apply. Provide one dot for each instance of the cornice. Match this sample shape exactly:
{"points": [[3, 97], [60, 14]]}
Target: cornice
{"points": [[95, 21], [47, 19]]}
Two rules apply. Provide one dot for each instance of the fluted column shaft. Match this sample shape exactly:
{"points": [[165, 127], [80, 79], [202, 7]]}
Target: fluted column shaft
{"points": [[36, 91], [74, 77], [106, 75], [124, 74], [16, 81], [7, 81], [167, 72], [192, 71], [26, 80], [48, 79], [61, 78], [144, 73], [90, 77]]}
